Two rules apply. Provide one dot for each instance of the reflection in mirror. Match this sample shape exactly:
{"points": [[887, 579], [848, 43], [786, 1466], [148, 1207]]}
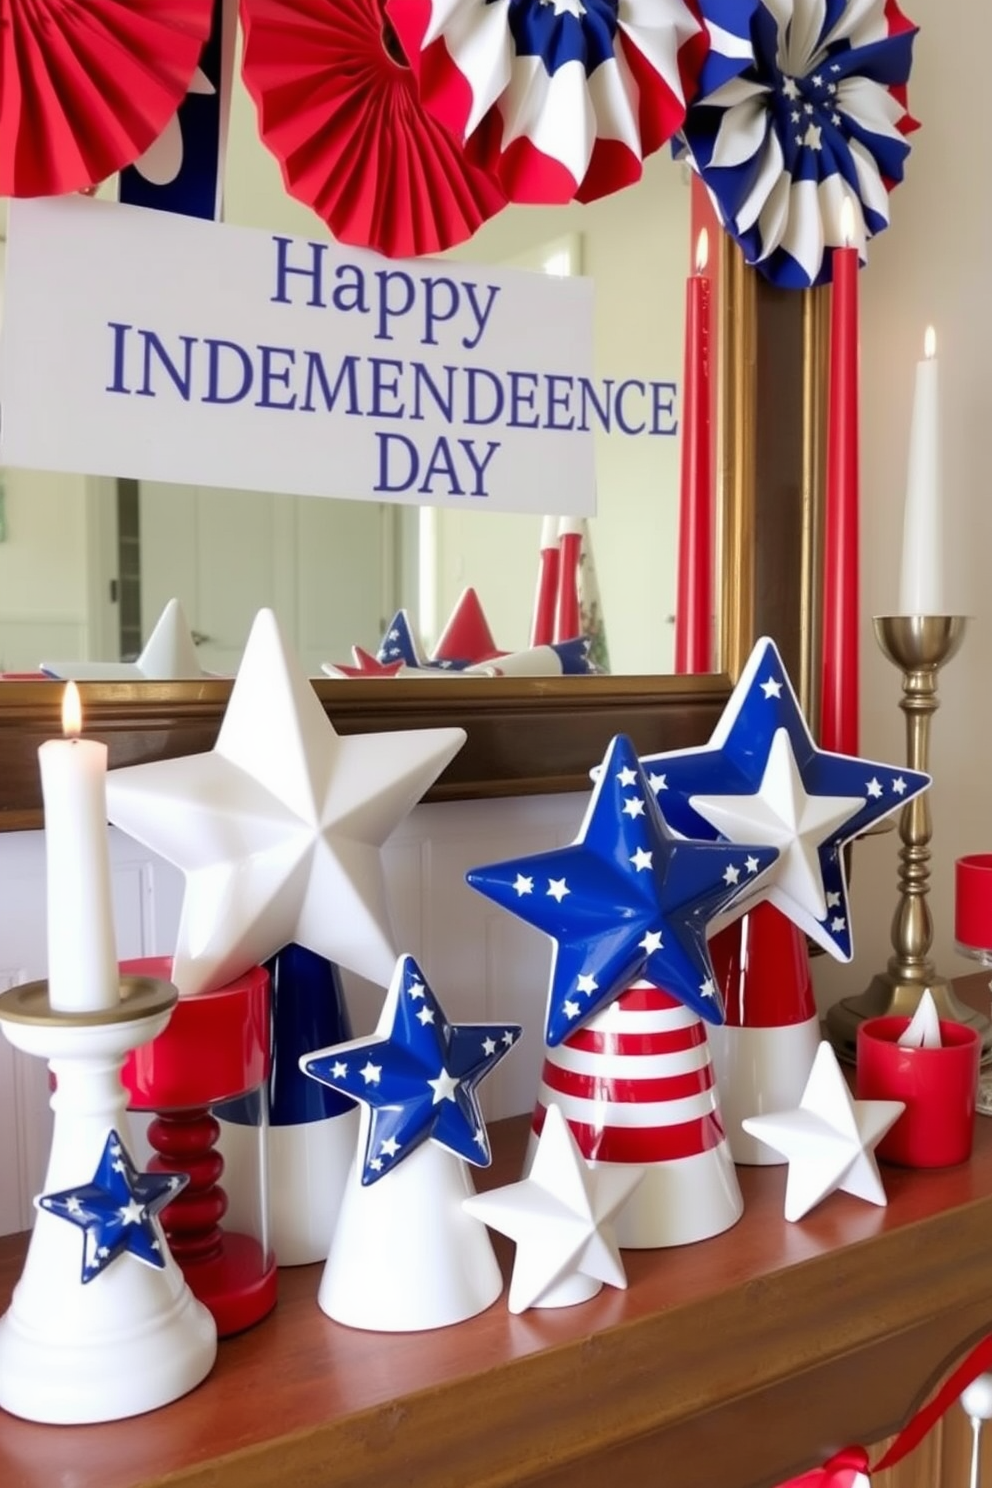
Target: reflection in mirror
{"points": [[87, 565]]}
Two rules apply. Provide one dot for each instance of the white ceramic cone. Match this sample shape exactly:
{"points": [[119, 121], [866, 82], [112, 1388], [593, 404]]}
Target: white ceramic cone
{"points": [[636, 1086], [169, 652], [405, 1255], [134, 1337], [759, 1070]]}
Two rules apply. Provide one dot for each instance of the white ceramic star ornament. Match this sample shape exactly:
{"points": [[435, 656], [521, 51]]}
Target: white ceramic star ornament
{"points": [[561, 1218], [829, 1141], [169, 655], [278, 828]]}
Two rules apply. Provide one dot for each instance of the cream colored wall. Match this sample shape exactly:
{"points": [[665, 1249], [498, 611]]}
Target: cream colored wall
{"points": [[931, 265]]}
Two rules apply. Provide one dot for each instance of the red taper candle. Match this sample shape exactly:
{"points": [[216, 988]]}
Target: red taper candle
{"points": [[694, 599], [542, 630]]}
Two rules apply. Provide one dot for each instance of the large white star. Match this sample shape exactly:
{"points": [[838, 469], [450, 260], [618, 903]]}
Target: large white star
{"points": [[560, 1217], [278, 829], [782, 814], [829, 1140]]}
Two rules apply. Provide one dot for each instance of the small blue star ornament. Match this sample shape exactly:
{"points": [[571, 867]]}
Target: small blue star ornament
{"points": [[627, 900], [762, 778], [117, 1211], [416, 1078]]}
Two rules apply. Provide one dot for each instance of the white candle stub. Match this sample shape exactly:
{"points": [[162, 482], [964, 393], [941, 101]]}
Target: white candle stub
{"points": [[923, 1031]]}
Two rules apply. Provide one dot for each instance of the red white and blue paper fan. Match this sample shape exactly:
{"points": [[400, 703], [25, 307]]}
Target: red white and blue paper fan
{"points": [[85, 89], [559, 99], [338, 107], [819, 117]]}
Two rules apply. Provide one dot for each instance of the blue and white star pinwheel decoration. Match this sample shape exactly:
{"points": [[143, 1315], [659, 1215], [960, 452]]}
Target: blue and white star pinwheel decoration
{"points": [[117, 1210], [627, 899], [762, 778], [416, 1077], [817, 118]]}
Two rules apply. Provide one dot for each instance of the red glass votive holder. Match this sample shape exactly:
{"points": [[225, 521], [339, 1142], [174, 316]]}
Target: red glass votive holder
{"points": [[937, 1086], [973, 904], [214, 1050]]}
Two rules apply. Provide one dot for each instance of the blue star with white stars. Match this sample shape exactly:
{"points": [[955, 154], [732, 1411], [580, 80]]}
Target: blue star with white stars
{"points": [[118, 1210], [400, 644], [762, 778], [417, 1078], [563, 31], [627, 900]]}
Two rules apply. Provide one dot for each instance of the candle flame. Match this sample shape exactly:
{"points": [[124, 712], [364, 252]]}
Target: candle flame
{"points": [[847, 221], [702, 250], [930, 343], [72, 712]]}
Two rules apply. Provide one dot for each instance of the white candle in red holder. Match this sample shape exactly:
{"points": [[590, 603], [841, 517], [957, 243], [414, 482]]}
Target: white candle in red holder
{"points": [[82, 953], [921, 590]]}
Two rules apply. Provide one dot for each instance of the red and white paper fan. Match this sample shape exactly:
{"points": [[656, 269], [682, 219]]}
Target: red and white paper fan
{"points": [[338, 107], [85, 89]]}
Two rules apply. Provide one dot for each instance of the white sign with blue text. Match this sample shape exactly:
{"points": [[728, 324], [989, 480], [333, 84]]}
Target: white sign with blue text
{"points": [[149, 345]]}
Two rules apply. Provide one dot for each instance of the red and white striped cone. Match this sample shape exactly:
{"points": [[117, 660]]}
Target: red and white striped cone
{"points": [[636, 1085], [764, 1052]]}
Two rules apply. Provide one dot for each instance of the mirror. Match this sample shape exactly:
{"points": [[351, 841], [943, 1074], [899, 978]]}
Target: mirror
{"points": [[770, 394]]}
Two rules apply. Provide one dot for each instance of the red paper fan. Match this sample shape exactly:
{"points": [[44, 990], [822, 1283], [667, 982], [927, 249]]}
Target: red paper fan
{"points": [[86, 88], [338, 107]]}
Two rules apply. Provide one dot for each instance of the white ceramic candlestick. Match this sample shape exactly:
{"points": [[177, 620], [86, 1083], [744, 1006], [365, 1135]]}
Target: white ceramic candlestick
{"points": [[82, 952], [133, 1337], [921, 589]]}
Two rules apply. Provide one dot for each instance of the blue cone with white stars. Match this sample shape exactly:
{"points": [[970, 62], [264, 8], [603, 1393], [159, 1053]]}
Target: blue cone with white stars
{"points": [[117, 1210], [416, 1077], [762, 778], [627, 900]]}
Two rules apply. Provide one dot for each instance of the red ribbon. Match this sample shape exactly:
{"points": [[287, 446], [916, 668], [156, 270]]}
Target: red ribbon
{"points": [[841, 1470]]}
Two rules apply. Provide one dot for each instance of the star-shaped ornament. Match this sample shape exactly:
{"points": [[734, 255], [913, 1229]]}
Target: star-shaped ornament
{"points": [[416, 1077], [628, 899], [117, 1210], [561, 1217], [762, 779], [169, 655], [829, 1141], [278, 828]]}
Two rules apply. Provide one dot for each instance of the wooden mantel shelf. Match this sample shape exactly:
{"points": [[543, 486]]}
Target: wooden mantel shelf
{"points": [[728, 1364]]}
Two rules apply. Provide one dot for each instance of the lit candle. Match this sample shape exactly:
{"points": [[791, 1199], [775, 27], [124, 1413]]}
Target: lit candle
{"points": [[693, 605], [82, 955], [921, 590], [839, 691]]}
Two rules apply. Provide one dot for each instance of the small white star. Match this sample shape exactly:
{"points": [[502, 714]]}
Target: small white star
{"points": [[393, 635], [642, 859], [651, 942], [835, 67], [835, 120], [339, 1070], [795, 116], [658, 782], [807, 108], [831, 87], [425, 1016], [838, 923], [627, 776], [480, 1138], [73, 1206], [390, 1146], [415, 990], [523, 885], [633, 806], [817, 80], [508, 1038], [375, 1163], [175, 1183], [833, 899], [812, 137], [571, 1009], [444, 1087], [751, 864], [799, 140], [558, 888], [566, 7], [731, 874], [874, 787], [488, 1047], [771, 688], [586, 984], [103, 1252], [899, 785], [790, 87], [117, 1167], [707, 989], [132, 1212], [372, 1073]]}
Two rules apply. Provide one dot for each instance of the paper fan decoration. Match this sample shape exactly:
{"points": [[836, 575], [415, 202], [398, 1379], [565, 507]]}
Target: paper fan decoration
{"points": [[338, 107], [560, 99], [85, 89], [817, 118]]}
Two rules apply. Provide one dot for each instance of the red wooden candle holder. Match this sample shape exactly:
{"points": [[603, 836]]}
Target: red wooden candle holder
{"points": [[215, 1049]]}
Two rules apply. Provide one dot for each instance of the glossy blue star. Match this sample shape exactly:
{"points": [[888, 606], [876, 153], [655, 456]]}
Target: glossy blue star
{"points": [[117, 1210], [761, 778], [417, 1077], [626, 900]]}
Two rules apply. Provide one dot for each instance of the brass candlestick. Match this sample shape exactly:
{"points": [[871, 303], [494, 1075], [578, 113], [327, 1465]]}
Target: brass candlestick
{"points": [[919, 645]]}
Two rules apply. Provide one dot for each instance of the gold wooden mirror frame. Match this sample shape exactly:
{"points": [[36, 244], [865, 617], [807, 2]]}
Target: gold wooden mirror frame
{"points": [[541, 734]]}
